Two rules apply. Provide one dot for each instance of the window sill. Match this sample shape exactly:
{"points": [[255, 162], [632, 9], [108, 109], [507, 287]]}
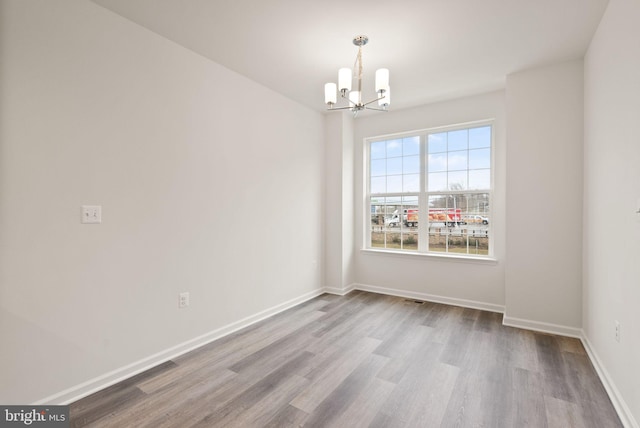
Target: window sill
{"points": [[434, 256]]}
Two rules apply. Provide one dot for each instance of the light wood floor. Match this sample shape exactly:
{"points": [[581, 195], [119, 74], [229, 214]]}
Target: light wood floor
{"points": [[365, 360]]}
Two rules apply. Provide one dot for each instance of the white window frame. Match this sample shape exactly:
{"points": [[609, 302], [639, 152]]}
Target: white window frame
{"points": [[423, 194]]}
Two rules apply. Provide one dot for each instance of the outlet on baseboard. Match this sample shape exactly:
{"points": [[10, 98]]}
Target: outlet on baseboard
{"points": [[183, 299], [617, 324]]}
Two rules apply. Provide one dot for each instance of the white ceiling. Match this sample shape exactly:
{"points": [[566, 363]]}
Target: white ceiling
{"points": [[434, 49]]}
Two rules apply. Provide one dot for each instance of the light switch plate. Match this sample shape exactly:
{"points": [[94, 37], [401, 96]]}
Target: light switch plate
{"points": [[91, 214]]}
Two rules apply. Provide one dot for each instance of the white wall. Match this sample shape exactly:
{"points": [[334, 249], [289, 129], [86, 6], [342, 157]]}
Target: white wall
{"points": [[544, 197], [472, 282], [201, 192], [339, 202], [612, 197]]}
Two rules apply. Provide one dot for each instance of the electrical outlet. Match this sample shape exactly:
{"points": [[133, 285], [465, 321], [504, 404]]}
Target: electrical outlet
{"points": [[183, 299], [617, 331], [91, 214]]}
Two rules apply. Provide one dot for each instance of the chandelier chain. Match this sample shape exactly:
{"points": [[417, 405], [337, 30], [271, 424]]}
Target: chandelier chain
{"points": [[359, 74]]}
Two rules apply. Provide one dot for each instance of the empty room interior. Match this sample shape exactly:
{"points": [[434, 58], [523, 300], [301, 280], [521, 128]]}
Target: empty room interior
{"points": [[207, 220]]}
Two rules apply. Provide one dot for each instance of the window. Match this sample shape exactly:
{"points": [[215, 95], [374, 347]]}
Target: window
{"points": [[430, 191]]}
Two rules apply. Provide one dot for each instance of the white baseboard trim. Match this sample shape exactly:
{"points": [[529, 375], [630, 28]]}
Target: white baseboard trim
{"points": [[627, 419], [620, 405], [430, 298], [98, 383], [542, 327], [339, 291]]}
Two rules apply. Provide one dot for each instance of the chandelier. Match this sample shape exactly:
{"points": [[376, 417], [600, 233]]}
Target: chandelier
{"points": [[354, 98]]}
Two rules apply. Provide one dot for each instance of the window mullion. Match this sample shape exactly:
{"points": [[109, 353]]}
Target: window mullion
{"points": [[423, 200]]}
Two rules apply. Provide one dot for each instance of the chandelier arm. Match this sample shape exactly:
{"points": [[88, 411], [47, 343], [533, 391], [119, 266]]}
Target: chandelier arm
{"points": [[373, 101], [341, 108], [374, 108], [349, 101]]}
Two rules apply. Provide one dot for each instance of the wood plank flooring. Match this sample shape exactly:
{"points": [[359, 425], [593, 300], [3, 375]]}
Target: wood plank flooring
{"points": [[365, 360]]}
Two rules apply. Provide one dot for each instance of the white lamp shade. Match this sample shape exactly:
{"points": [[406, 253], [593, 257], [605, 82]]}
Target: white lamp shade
{"points": [[383, 102], [344, 79], [354, 97], [330, 96], [382, 79]]}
